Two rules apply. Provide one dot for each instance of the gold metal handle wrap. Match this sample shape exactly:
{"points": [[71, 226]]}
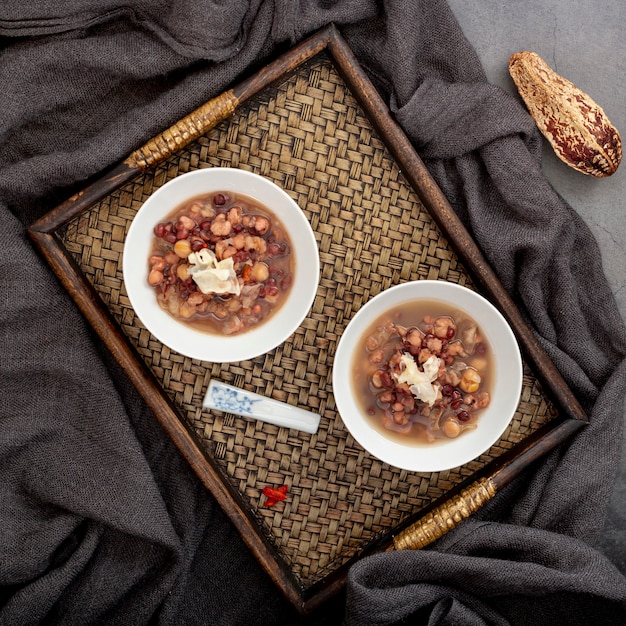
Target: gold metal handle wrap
{"points": [[445, 517], [187, 129]]}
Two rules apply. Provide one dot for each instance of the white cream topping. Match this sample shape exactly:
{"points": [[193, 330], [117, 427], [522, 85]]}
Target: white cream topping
{"points": [[420, 383], [211, 275]]}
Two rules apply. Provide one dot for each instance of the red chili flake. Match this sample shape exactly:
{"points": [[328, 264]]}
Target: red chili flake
{"points": [[274, 494]]}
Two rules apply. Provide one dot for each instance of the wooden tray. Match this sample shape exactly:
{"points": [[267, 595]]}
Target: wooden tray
{"points": [[312, 122]]}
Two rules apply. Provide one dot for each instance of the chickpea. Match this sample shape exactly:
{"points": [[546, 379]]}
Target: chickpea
{"points": [[220, 246], [470, 380], [483, 399], [424, 355], [223, 249], [451, 428], [414, 337], [239, 241], [171, 258], [444, 328], [260, 272], [155, 277], [434, 344], [182, 271], [233, 305], [234, 215], [185, 311], [157, 262], [182, 248], [255, 244], [187, 222], [220, 227], [400, 418], [261, 225], [455, 348]]}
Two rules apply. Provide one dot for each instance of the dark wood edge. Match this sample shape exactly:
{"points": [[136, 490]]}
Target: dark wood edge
{"points": [[100, 319], [501, 472], [42, 233], [89, 302]]}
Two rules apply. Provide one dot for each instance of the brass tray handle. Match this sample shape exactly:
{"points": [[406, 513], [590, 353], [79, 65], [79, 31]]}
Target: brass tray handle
{"points": [[190, 127], [445, 517]]}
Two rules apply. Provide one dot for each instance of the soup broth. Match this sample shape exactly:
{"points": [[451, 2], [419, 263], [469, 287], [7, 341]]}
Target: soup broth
{"points": [[221, 263], [423, 373]]}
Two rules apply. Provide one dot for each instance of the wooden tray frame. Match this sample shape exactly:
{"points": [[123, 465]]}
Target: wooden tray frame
{"points": [[457, 504]]}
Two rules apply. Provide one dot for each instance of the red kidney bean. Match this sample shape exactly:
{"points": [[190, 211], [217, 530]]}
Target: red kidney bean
{"points": [[447, 390], [463, 416]]}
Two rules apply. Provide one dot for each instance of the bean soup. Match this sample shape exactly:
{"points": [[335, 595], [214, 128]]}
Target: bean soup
{"points": [[221, 262], [423, 373]]}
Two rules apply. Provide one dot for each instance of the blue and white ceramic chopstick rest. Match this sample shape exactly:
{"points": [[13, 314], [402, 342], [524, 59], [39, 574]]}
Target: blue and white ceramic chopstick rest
{"points": [[229, 399]]}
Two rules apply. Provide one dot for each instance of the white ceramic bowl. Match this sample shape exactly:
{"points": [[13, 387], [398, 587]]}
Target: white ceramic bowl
{"points": [[183, 338], [492, 421]]}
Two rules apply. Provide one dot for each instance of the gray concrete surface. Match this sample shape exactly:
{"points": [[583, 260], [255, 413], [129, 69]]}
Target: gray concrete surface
{"points": [[584, 41]]}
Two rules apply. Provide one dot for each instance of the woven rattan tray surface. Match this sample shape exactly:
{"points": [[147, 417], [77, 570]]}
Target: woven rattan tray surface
{"points": [[308, 133]]}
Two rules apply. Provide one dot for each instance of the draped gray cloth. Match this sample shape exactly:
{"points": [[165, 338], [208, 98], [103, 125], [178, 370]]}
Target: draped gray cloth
{"points": [[102, 521]]}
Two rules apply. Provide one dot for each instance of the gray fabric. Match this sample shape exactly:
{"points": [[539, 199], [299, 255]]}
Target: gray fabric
{"points": [[102, 520]]}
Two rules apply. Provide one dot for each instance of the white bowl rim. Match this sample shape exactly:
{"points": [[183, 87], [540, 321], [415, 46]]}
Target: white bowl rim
{"points": [[206, 346], [450, 453]]}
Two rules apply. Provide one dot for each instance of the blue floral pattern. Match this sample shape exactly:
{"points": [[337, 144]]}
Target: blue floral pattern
{"points": [[232, 400]]}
